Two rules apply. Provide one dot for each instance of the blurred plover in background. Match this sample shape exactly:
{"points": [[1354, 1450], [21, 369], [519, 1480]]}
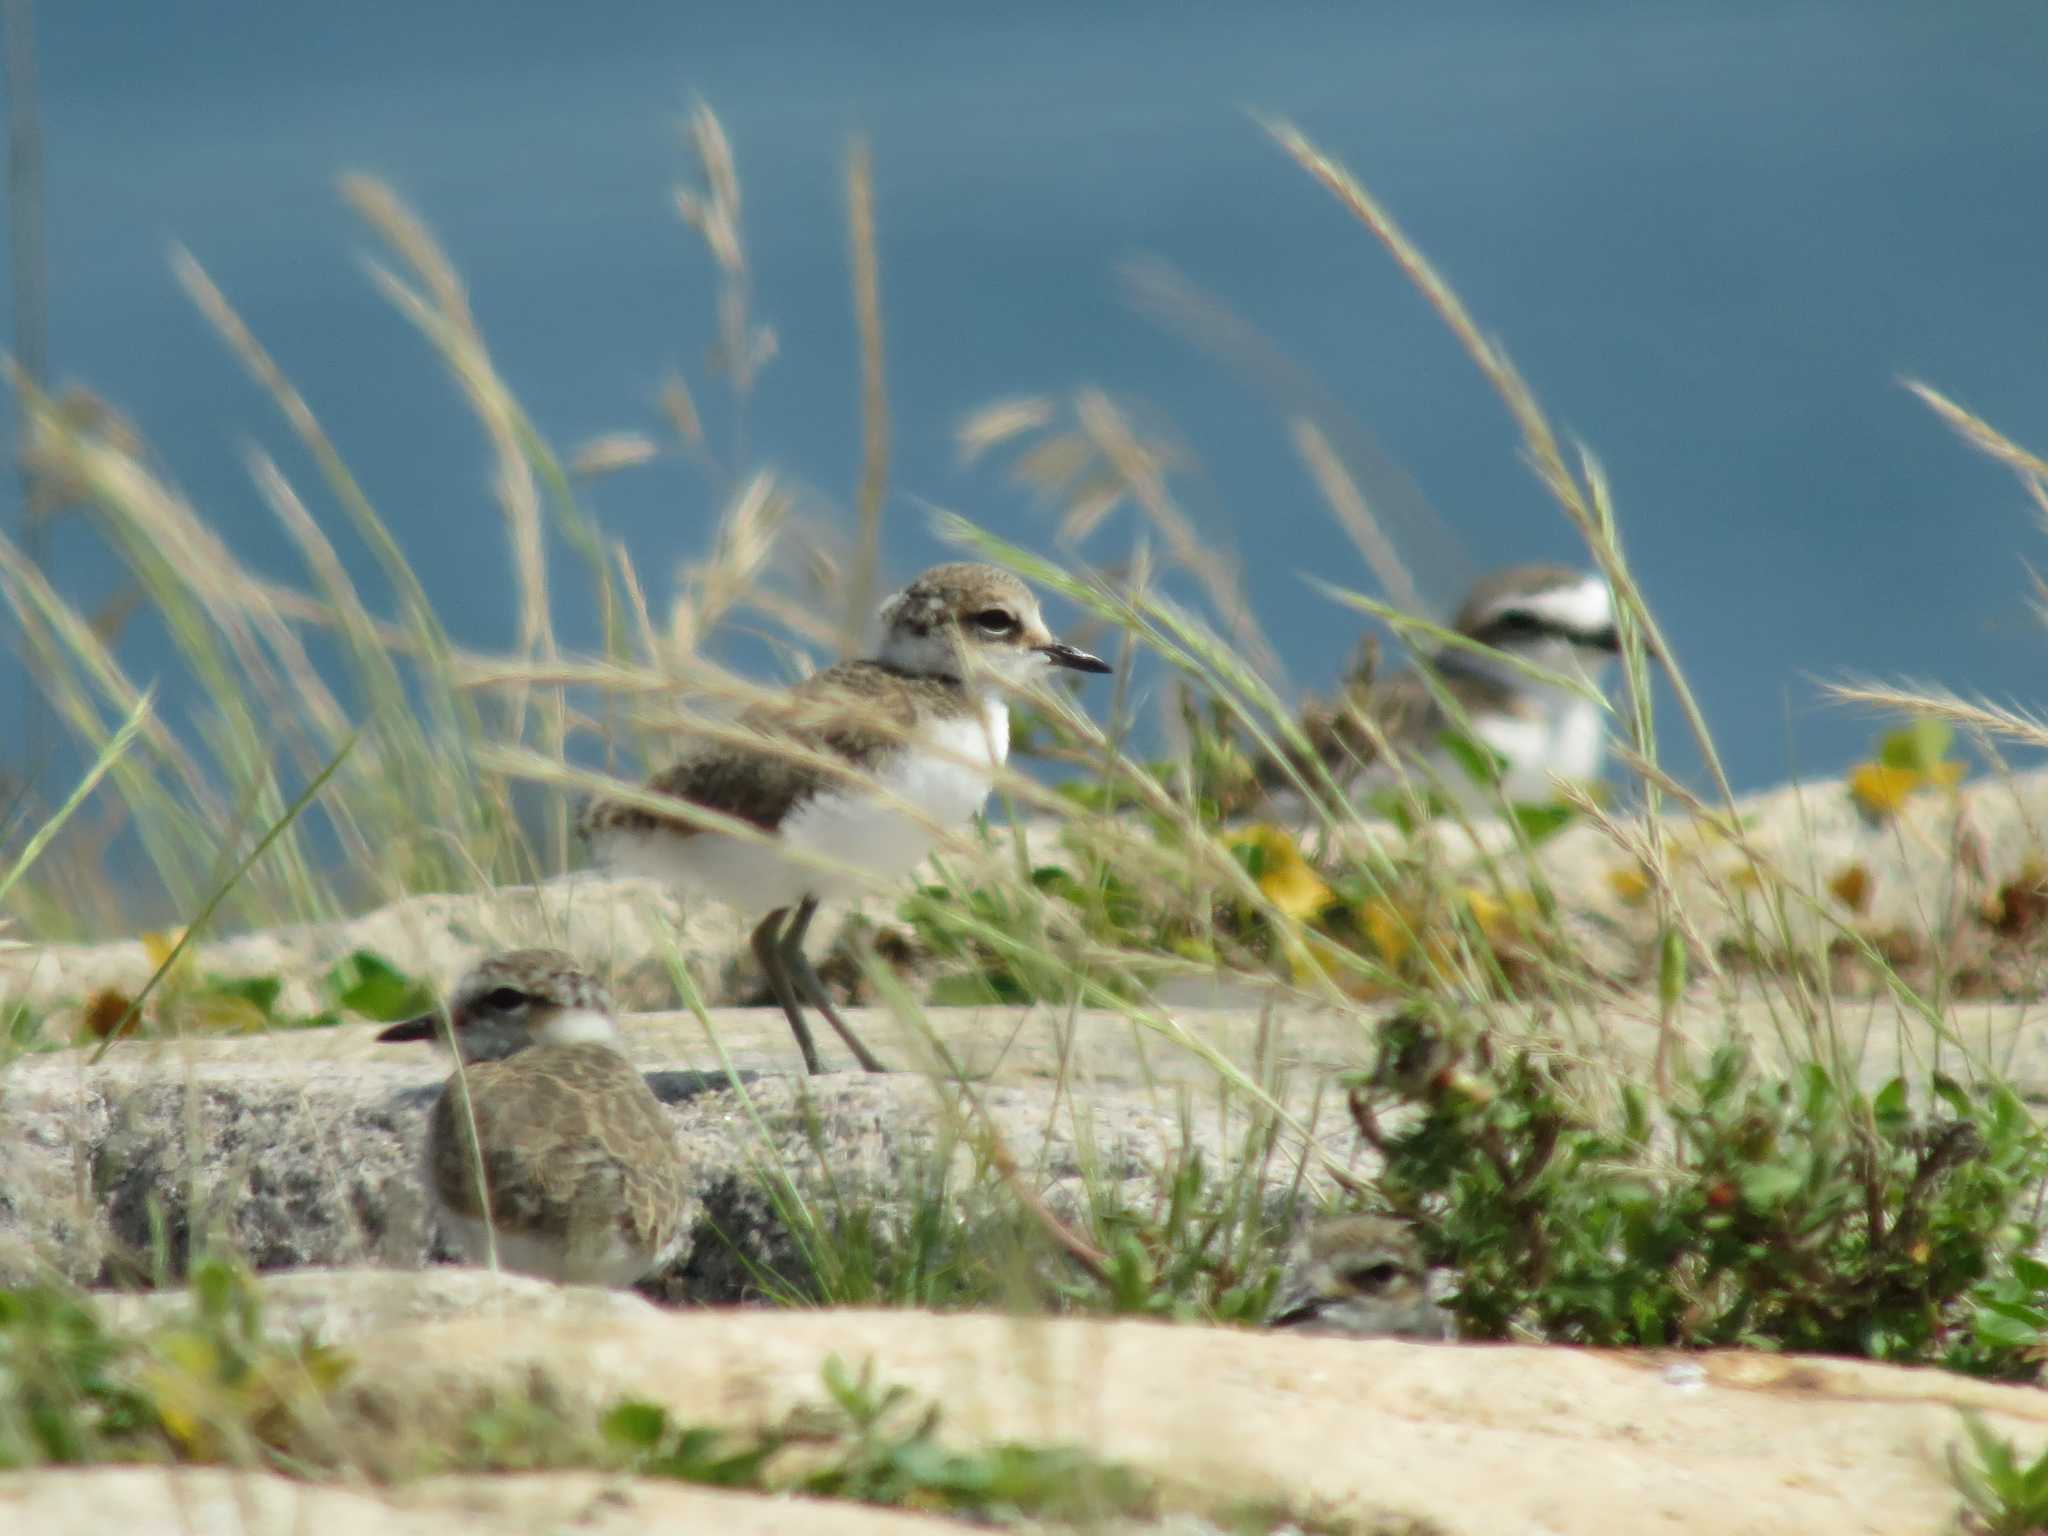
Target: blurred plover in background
{"points": [[547, 1148], [911, 741], [1548, 616], [1361, 1276]]}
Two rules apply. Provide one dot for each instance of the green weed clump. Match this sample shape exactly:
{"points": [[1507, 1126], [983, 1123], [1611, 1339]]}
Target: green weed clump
{"points": [[2002, 1495], [876, 1444], [211, 1386], [1782, 1212]]}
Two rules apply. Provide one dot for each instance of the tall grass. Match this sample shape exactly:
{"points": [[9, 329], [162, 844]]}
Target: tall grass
{"points": [[1120, 889]]}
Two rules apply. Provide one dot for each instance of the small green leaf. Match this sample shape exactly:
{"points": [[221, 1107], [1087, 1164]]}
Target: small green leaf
{"points": [[1482, 765], [1671, 968], [1918, 746], [2030, 1272], [1770, 1185], [1540, 823], [366, 983], [636, 1426], [1889, 1107], [1951, 1093], [259, 991]]}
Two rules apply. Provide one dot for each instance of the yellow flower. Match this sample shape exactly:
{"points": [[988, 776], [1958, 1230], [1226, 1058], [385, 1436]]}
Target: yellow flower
{"points": [[159, 947], [1881, 789], [1287, 879], [1630, 884], [1851, 887]]}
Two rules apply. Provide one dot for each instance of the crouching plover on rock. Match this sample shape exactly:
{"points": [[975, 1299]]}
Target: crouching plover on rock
{"points": [[1550, 616], [913, 737], [1361, 1276], [547, 1144]]}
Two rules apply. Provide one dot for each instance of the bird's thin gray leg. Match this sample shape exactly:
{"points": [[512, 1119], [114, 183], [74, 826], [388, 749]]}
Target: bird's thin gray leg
{"points": [[799, 966], [768, 950]]}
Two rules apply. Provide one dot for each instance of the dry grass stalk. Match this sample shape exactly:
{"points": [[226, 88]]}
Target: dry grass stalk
{"points": [[1140, 469], [1344, 499], [1000, 421], [612, 452], [1985, 438], [874, 398]]}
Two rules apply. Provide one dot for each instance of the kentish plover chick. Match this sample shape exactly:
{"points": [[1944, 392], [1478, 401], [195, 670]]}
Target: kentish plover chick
{"points": [[917, 733], [546, 1146], [1553, 617], [1360, 1276]]}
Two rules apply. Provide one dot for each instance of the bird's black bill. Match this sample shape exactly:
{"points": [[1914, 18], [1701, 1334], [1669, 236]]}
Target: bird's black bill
{"points": [[1608, 639], [1295, 1311], [1067, 656], [426, 1027]]}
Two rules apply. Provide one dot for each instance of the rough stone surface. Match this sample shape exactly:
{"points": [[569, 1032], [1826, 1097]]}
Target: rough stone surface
{"points": [[207, 1501], [1934, 862], [1393, 1437], [302, 1148], [625, 929], [1941, 856], [1467, 1439], [307, 1160], [340, 1307]]}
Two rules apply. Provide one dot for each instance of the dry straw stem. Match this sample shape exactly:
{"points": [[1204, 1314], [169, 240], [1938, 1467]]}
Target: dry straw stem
{"points": [[1198, 852], [428, 637], [730, 574], [874, 398], [1347, 503], [680, 407], [178, 821], [1984, 437], [612, 452], [117, 745], [1091, 1259], [999, 422], [1814, 1005], [1140, 471], [1583, 496], [1205, 321], [1584, 504], [1980, 716], [714, 212]]}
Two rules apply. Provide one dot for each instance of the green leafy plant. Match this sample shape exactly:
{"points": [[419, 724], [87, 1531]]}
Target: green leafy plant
{"points": [[69, 1392], [1205, 1249], [2002, 1496], [367, 984], [877, 1445], [208, 1386], [1781, 1212]]}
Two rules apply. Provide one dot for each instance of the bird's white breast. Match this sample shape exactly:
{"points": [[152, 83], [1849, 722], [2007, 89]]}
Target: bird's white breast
{"points": [[1565, 735], [939, 780], [839, 841]]}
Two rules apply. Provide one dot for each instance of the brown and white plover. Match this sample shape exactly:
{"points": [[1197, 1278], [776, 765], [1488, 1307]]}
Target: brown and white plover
{"points": [[1361, 1276], [912, 738], [547, 1151], [1549, 616]]}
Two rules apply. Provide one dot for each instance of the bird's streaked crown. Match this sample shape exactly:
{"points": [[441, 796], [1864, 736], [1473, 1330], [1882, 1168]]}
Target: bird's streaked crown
{"points": [[518, 998]]}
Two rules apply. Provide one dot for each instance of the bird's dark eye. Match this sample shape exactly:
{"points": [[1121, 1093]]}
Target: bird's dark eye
{"points": [[1516, 621], [995, 621], [1372, 1277], [506, 999]]}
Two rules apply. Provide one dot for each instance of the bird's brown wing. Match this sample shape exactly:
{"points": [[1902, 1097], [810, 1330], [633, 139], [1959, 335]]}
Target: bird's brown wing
{"points": [[856, 713], [565, 1131]]}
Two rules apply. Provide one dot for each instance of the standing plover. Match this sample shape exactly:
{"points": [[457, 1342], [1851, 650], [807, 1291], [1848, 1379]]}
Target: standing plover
{"points": [[915, 735], [1552, 616], [547, 1147], [1362, 1276]]}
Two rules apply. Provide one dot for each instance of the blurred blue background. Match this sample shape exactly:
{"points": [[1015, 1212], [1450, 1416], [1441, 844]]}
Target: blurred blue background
{"points": [[1713, 237]]}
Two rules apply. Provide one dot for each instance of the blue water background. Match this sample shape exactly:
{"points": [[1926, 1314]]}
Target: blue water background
{"points": [[1713, 237]]}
